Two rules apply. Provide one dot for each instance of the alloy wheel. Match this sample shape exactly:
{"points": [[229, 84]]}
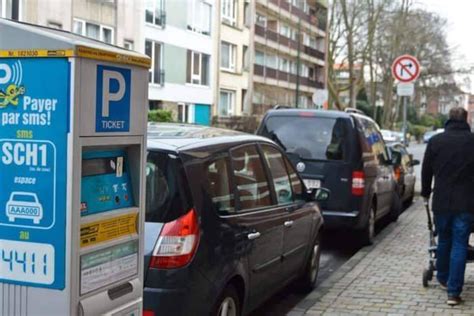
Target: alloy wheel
{"points": [[228, 307]]}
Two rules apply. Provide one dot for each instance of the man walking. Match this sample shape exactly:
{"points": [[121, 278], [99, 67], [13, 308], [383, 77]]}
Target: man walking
{"points": [[449, 157]]}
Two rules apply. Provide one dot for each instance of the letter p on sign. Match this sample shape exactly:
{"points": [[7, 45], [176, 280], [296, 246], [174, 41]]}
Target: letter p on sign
{"points": [[113, 99]]}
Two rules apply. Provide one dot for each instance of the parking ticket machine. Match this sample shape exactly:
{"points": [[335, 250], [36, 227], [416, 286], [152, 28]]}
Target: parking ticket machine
{"points": [[72, 160]]}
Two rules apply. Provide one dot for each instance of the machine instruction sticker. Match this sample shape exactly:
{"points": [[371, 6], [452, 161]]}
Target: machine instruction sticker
{"points": [[107, 266], [34, 105], [108, 229]]}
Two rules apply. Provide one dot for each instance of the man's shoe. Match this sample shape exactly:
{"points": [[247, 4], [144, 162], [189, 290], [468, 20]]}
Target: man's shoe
{"points": [[443, 286], [454, 300]]}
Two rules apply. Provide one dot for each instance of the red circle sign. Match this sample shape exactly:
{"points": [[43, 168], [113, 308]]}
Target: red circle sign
{"points": [[406, 68]]}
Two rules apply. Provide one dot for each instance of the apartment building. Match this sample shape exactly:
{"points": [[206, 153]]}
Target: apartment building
{"points": [[114, 22], [232, 52], [179, 39], [290, 59]]}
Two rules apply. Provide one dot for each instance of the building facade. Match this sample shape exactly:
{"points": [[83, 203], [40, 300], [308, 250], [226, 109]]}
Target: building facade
{"points": [[218, 59], [289, 53], [179, 39]]}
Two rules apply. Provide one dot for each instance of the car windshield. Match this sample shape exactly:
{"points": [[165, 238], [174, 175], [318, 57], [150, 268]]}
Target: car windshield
{"points": [[24, 198], [316, 138], [167, 196]]}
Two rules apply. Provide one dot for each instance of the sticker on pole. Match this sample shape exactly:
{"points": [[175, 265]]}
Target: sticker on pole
{"points": [[406, 68], [34, 102]]}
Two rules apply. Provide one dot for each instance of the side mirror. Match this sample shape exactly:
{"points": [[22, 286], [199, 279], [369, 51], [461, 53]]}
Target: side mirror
{"points": [[415, 162], [319, 195]]}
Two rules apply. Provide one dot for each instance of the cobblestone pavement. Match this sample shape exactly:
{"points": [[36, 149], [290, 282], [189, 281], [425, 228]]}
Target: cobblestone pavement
{"points": [[385, 279]]}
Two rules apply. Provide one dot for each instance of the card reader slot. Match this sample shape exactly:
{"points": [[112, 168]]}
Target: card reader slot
{"points": [[120, 290]]}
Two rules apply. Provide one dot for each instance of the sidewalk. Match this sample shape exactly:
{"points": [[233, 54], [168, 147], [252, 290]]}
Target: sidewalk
{"points": [[386, 278]]}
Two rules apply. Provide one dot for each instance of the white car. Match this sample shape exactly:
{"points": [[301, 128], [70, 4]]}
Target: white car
{"points": [[24, 205]]}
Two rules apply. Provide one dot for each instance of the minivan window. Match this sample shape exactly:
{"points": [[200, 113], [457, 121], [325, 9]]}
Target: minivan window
{"points": [[318, 138], [167, 191], [281, 180], [217, 173], [250, 179], [375, 140]]}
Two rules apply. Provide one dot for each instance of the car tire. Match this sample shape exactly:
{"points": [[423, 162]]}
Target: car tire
{"points": [[309, 278], [396, 207], [366, 236], [228, 303]]}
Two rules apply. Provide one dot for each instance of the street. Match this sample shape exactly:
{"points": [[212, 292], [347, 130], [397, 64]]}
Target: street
{"points": [[337, 250]]}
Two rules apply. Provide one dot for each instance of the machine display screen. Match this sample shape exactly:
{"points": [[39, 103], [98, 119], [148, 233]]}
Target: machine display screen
{"points": [[106, 182]]}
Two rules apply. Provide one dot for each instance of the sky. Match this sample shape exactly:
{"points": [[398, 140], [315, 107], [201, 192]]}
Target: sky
{"points": [[460, 27]]}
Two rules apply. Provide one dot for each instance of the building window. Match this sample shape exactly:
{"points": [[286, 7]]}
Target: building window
{"points": [[247, 16], [55, 25], [271, 61], [228, 52], [10, 9], [155, 12], [246, 57], [293, 67], [197, 70], [229, 12], [303, 101], [199, 17], [285, 30], [128, 44], [261, 20], [96, 31], [185, 113], [154, 50], [244, 97], [259, 58], [304, 70], [284, 65], [226, 102]]}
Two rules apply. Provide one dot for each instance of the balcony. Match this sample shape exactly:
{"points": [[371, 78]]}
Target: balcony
{"points": [[314, 52], [313, 18], [283, 76]]}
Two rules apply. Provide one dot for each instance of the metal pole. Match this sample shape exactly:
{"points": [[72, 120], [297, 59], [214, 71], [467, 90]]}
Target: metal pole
{"points": [[298, 65], [405, 126]]}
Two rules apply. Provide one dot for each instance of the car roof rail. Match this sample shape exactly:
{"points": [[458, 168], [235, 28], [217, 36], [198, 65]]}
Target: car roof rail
{"points": [[279, 106], [353, 110]]}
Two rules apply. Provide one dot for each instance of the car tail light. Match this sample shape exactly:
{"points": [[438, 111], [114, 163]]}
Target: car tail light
{"points": [[148, 313], [397, 173], [306, 114], [358, 183], [177, 243]]}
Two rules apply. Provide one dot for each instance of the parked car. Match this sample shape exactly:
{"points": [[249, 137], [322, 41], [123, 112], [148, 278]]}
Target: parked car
{"points": [[228, 222], [404, 173], [345, 153], [388, 136], [427, 136]]}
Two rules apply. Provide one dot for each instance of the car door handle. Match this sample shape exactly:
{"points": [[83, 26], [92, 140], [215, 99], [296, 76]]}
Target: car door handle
{"points": [[253, 236], [288, 223]]}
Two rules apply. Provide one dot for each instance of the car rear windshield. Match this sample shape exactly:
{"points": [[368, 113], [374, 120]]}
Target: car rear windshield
{"points": [[316, 138], [167, 191]]}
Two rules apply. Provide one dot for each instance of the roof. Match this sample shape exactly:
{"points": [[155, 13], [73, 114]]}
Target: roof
{"points": [[301, 112], [29, 40], [181, 137]]}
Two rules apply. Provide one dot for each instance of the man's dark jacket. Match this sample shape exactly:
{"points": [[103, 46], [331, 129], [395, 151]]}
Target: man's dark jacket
{"points": [[449, 157]]}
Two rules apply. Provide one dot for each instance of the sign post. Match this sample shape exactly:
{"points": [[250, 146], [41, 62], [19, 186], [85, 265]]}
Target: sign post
{"points": [[406, 70]]}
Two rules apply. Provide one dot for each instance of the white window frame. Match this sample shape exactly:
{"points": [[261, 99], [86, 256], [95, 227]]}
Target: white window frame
{"points": [[230, 106], [257, 52], [232, 56], [55, 25], [153, 62], [229, 12], [284, 29], [195, 21], [128, 44], [190, 112], [154, 8], [261, 20], [101, 28], [198, 77]]}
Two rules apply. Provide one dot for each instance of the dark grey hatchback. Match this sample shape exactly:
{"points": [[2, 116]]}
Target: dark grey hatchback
{"points": [[228, 222]]}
